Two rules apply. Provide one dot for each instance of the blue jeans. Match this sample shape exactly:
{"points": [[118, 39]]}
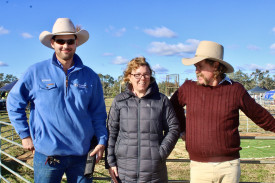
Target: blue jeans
{"points": [[72, 166]]}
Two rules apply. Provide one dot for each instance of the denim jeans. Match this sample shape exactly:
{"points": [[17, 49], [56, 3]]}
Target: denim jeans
{"points": [[72, 166]]}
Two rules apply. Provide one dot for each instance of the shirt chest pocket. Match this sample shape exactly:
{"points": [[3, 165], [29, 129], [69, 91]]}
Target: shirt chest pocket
{"points": [[47, 87], [48, 90]]}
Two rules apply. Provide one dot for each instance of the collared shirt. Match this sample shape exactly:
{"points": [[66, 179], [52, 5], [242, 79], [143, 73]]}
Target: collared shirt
{"points": [[226, 78], [69, 70]]}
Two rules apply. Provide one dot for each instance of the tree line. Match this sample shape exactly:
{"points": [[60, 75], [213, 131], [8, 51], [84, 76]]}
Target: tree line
{"points": [[5, 79], [112, 87]]}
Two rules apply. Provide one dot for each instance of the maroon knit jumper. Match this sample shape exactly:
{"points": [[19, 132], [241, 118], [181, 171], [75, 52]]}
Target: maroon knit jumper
{"points": [[212, 119]]}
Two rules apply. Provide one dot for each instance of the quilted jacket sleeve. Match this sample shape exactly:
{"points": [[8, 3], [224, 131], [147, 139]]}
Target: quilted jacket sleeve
{"points": [[113, 128], [171, 129]]}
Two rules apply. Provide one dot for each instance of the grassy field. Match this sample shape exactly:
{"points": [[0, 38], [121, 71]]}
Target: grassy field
{"points": [[252, 150]]}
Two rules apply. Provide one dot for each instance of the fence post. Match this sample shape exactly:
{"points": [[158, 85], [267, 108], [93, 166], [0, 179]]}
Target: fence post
{"points": [[246, 124]]}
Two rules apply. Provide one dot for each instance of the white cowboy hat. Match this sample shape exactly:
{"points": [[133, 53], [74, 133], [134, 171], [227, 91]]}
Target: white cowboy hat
{"points": [[63, 26], [208, 50]]}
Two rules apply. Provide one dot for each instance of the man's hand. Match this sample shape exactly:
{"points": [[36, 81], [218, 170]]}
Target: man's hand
{"points": [[113, 173], [27, 144], [99, 150]]}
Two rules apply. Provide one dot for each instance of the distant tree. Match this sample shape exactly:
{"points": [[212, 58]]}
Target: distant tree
{"points": [[263, 79], [257, 78], [242, 78], [162, 87], [107, 82], [117, 87], [268, 83], [4, 79], [167, 88]]}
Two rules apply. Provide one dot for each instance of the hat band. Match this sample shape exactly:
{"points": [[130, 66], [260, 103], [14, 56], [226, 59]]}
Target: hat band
{"points": [[208, 57], [64, 32]]}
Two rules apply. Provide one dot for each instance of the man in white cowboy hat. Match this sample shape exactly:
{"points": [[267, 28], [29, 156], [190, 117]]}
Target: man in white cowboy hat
{"points": [[66, 108], [210, 127]]}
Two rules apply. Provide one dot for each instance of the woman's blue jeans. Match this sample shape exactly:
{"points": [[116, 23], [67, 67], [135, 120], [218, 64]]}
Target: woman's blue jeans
{"points": [[53, 171]]}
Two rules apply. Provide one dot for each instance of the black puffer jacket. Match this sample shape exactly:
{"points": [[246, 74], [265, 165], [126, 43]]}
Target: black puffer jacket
{"points": [[142, 134]]}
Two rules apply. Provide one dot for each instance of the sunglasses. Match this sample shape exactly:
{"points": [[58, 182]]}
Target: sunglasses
{"points": [[62, 41]]}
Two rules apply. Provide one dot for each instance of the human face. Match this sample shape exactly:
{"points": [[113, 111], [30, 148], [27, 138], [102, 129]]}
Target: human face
{"points": [[140, 85], [205, 73], [64, 52]]}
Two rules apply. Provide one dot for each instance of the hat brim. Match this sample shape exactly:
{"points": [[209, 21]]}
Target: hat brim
{"points": [[192, 61], [45, 37]]}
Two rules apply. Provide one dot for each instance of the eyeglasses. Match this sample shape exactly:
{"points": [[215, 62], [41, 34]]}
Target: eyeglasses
{"points": [[138, 76], [62, 41]]}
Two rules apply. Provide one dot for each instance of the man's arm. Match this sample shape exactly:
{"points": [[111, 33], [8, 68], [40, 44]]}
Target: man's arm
{"points": [[17, 102], [257, 113], [98, 111], [179, 110]]}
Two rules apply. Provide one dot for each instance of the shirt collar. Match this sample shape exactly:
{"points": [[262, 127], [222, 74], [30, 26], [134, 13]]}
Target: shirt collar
{"points": [[69, 70], [226, 78]]}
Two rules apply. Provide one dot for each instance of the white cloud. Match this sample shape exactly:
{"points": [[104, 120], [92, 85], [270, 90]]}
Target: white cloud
{"points": [[272, 47], [253, 67], [119, 60], [3, 64], [3, 30], [26, 35], [120, 32], [273, 29], [116, 32], [189, 71], [233, 46], [242, 68], [253, 47], [108, 54], [162, 48], [270, 67], [160, 32], [159, 69]]}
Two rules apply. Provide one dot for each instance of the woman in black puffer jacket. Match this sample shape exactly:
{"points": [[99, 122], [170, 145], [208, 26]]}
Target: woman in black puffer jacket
{"points": [[143, 129]]}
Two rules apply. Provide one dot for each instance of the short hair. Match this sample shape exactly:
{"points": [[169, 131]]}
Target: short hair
{"points": [[135, 64]]}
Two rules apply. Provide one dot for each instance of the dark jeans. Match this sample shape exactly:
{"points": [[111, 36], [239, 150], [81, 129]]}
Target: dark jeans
{"points": [[72, 166]]}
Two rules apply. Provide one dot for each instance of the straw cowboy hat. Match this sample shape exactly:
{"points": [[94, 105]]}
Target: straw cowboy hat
{"points": [[208, 50], [63, 26]]}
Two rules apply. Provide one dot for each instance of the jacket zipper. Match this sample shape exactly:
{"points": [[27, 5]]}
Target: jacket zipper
{"points": [[138, 168], [67, 81]]}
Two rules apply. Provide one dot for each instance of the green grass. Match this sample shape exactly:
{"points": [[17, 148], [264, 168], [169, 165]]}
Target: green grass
{"points": [[257, 148]]}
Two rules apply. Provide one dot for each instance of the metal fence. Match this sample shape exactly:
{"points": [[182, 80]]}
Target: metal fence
{"points": [[10, 142]]}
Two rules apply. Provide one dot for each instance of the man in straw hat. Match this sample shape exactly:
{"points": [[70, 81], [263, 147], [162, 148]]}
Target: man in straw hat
{"points": [[66, 108], [210, 128]]}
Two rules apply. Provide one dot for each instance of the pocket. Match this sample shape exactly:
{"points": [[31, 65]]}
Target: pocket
{"points": [[49, 86], [235, 162]]}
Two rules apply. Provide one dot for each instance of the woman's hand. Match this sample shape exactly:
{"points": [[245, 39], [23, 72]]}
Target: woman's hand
{"points": [[113, 173]]}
